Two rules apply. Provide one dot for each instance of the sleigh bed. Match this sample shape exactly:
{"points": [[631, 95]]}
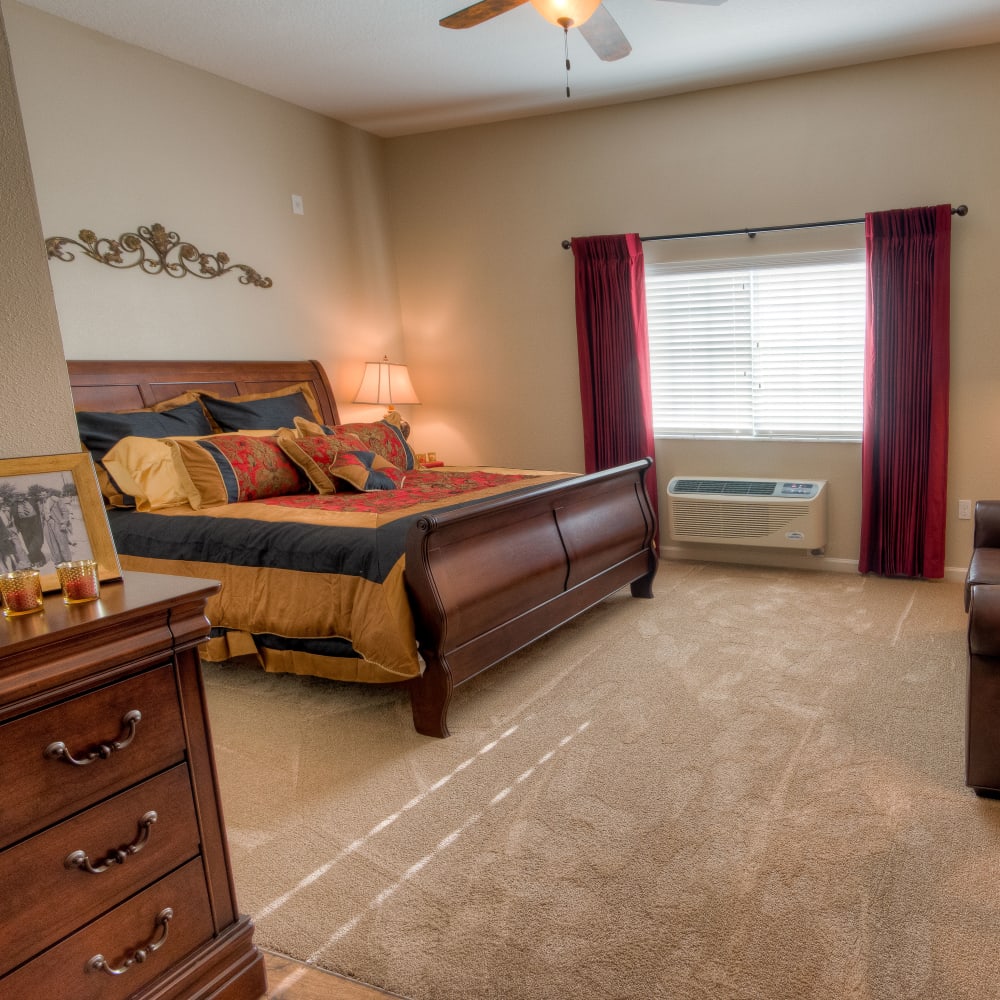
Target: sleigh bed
{"points": [[427, 582]]}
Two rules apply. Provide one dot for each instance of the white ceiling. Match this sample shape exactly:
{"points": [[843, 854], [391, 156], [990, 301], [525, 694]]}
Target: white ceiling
{"points": [[387, 67]]}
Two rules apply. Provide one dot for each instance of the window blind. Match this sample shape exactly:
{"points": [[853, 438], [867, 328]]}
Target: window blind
{"points": [[769, 347]]}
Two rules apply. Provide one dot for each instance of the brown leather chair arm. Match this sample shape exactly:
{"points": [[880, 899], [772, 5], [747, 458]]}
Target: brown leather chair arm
{"points": [[987, 524], [984, 620]]}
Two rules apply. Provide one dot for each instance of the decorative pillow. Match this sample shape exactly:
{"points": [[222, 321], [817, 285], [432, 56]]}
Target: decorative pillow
{"points": [[144, 468], [230, 468], [309, 428], [330, 466], [384, 437], [262, 410], [99, 432]]}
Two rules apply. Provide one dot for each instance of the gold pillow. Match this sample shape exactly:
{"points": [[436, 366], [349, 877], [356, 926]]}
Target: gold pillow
{"points": [[188, 396], [144, 468]]}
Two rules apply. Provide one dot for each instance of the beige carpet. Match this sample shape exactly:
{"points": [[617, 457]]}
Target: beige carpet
{"points": [[748, 788]]}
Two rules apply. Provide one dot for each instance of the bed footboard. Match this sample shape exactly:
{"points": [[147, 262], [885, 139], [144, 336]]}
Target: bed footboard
{"points": [[489, 579]]}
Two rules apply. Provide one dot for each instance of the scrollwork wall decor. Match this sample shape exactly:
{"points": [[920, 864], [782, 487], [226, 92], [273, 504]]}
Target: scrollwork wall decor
{"points": [[153, 250]]}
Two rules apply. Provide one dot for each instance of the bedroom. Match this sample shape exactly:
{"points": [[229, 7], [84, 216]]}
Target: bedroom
{"points": [[385, 249], [385, 259]]}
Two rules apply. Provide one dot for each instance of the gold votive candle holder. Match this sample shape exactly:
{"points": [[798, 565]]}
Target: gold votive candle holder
{"points": [[21, 591], [79, 581]]}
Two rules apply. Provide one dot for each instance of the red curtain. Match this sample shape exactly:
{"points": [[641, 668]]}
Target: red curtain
{"points": [[613, 345], [904, 449]]}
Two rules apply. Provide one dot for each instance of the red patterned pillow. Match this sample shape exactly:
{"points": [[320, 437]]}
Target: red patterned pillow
{"points": [[342, 439], [332, 467], [229, 468], [383, 437]]}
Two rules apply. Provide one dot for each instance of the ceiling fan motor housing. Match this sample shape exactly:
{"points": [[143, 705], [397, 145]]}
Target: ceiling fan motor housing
{"points": [[566, 13]]}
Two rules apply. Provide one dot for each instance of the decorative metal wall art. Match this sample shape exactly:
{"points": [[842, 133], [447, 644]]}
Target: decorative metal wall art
{"points": [[155, 251]]}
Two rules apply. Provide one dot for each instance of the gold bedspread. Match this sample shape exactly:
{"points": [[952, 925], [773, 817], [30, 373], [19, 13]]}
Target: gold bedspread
{"points": [[309, 610]]}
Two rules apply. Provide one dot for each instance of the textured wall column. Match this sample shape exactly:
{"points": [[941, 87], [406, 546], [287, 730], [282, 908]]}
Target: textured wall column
{"points": [[36, 406]]}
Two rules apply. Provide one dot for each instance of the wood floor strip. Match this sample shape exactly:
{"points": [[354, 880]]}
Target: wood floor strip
{"points": [[291, 980]]}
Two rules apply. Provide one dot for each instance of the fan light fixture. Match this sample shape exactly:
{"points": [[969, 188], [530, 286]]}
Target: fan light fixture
{"points": [[385, 384], [566, 13]]}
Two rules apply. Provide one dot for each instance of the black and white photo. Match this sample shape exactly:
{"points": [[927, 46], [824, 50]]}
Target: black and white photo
{"points": [[51, 512]]}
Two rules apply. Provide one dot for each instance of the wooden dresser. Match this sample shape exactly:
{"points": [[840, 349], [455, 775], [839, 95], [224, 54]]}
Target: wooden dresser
{"points": [[114, 869]]}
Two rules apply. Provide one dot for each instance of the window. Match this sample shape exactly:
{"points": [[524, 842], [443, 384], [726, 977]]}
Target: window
{"points": [[760, 347]]}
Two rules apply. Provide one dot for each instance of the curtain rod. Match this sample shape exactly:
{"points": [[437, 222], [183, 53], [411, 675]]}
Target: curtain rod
{"points": [[751, 233]]}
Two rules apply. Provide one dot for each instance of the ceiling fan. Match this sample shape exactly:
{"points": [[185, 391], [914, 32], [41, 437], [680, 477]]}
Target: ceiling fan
{"points": [[591, 17]]}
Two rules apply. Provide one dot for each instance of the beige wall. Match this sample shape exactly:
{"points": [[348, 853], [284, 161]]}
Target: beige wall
{"points": [[32, 374], [487, 292], [121, 138]]}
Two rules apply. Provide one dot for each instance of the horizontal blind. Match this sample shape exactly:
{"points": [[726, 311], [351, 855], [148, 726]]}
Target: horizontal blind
{"points": [[758, 347]]}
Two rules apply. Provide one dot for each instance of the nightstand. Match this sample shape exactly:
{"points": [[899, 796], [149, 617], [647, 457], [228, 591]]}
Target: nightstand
{"points": [[114, 866]]}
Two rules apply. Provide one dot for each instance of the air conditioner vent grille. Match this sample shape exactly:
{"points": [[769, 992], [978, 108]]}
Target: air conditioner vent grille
{"points": [[727, 487]]}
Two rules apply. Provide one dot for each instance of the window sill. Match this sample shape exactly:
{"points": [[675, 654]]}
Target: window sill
{"points": [[755, 440]]}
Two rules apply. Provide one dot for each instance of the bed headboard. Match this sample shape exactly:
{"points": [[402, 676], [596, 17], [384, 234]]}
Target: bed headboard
{"points": [[133, 385]]}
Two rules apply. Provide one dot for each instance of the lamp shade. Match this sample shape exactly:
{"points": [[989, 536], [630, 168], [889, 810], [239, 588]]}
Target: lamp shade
{"points": [[559, 11], [385, 384]]}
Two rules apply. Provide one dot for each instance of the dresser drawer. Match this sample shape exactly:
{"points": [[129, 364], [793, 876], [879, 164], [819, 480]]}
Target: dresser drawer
{"points": [[59, 880], [118, 735], [139, 940]]}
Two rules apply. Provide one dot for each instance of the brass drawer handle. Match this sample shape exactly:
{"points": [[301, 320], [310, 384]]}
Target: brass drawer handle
{"points": [[79, 859], [58, 751], [99, 964]]}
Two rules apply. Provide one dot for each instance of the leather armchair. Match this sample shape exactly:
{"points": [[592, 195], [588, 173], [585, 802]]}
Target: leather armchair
{"points": [[982, 737], [984, 567], [982, 601]]}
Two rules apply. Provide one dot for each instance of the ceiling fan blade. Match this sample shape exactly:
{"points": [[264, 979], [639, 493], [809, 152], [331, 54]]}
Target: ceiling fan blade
{"points": [[604, 36], [475, 14]]}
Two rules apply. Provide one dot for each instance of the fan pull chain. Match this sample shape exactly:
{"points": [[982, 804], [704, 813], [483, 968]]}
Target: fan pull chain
{"points": [[566, 22]]}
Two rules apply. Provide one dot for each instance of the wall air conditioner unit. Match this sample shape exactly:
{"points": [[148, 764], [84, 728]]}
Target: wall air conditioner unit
{"points": [[773, 513]]}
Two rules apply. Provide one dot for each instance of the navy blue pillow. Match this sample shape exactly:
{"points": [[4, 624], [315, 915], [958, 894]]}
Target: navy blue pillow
{"points": [[258, 414], [100, 432]]}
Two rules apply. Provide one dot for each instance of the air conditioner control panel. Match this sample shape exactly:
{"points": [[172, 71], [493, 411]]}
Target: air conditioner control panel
{"points": [[802, 491]]}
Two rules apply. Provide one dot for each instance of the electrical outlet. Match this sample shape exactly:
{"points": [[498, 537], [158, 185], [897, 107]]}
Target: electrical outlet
{"points": [[965, 510], [297, 206]]}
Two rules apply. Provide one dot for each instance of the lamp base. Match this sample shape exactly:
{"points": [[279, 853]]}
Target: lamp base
{"points": [[403, 425]]}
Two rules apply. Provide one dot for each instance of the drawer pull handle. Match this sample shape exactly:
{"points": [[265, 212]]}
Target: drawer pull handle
{"points": [[99, 963], [79, 859], [58, 751]]}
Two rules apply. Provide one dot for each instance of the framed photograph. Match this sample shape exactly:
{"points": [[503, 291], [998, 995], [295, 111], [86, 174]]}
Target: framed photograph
{"points": [[51, 511]]}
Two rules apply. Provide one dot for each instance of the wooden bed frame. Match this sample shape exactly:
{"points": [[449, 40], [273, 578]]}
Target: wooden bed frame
{"points": [[484, 581]]}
